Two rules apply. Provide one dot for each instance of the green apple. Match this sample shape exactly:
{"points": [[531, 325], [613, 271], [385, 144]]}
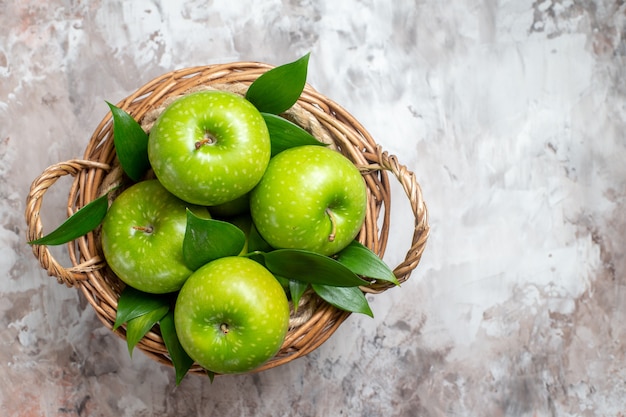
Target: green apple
{"points": [[209, 147], [311, 198], [231, 315], [142, 237]]}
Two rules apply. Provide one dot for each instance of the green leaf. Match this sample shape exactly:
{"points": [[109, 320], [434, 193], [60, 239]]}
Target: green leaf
{"points": [[256, 243], [285, 134], [284, 282], [296, 289], [362, 261], [78, 224], [209, 239], [344, 298], [257, 256], [131, 144], [134, 303], [279, 88], [180, 359], [310, 267], [137, 328]]}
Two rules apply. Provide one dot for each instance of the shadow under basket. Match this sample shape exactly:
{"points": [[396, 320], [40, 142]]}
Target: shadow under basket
{"points": [[99, 171]]}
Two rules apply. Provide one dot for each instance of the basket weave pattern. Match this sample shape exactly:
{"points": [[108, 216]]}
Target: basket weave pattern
{"points": [[99, 171]]}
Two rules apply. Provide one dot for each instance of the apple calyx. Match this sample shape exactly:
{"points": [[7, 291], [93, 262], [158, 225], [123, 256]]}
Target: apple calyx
{"points": [[146, 229], [333, 225], [208, 139], [224, 328]]}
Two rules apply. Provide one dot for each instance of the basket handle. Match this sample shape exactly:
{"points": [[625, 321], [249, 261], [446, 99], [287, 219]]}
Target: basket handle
{"points": [[420, 212], [68, 276]]}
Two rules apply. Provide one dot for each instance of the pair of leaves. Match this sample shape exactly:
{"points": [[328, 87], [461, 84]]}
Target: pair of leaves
{"points": [[336, 280], [310, 267], [276, 91], [141, 312], [331, 280]]}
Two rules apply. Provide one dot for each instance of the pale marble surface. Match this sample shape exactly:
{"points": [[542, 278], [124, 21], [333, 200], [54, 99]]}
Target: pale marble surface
{"points": [[512, 115]]}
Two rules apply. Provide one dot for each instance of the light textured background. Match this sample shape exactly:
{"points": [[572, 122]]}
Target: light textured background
{"points": [[511, 113]]}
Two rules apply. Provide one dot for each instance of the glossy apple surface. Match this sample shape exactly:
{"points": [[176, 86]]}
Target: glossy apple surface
{"points": [[310, 197], [231, 315], [209, 147], [142, 237]]}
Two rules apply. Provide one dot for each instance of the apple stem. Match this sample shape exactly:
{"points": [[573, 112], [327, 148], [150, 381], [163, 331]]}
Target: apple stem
{"points": [[145, 229], [333, 225], [208, 139], [224, 328], [201, 142]]}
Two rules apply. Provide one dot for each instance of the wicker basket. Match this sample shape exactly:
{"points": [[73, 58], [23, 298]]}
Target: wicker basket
{"points": [[99, 170]]}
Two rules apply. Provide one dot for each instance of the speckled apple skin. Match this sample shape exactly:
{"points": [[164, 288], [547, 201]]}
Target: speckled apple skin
{"points": [[214, 173], [242, 294], [289, 205], [150, 262]]}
